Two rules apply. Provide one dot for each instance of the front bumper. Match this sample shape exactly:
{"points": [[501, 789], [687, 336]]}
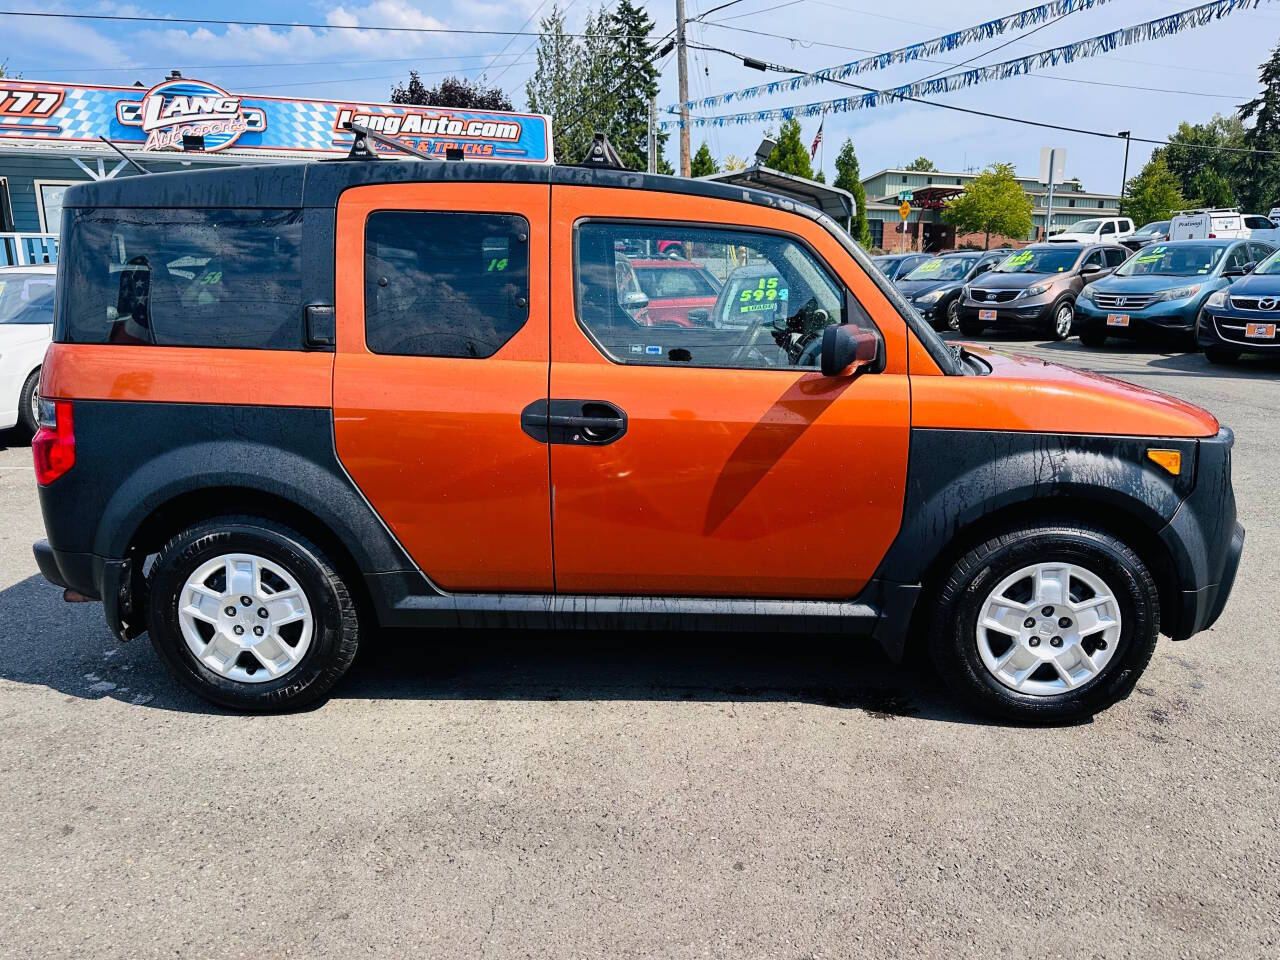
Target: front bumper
{"points": [[1173, 316], [1010, 313], [1204, 541], [1220, 327]]}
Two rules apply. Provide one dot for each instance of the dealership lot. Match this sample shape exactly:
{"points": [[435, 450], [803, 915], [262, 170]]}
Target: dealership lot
{"points": [[584, 794]]}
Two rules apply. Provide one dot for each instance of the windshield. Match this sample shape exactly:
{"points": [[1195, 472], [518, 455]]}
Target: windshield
{"points": [[1153, 229], [1038, 261], [1270, 266], [1169, 260], [1084, 226], [942, 268], [26, 298]]}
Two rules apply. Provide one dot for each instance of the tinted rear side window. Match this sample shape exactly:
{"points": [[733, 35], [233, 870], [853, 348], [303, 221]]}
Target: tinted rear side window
{"points": [[444, 284], [187, 278]]}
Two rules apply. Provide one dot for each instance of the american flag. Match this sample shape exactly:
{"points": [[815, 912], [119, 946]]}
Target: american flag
{"points": [[817, 141]]}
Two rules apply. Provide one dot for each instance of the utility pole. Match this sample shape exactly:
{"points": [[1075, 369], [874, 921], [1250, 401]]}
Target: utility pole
{"points": [[1048, 213], [1124, 176], [682, 66], [653, 134]]}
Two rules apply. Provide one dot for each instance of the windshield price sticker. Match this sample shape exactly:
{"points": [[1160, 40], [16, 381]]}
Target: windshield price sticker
{"points": [[1018, 259], [930, 266], [763, 296]]}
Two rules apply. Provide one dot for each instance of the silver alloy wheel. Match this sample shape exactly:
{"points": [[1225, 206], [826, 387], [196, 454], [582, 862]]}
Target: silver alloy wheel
{"points": [[953, 314], [245, 618], [1048, 628], [1062, 321], [35, 402]]}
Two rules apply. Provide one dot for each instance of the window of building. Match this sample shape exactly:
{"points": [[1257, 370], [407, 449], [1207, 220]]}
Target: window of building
{"points": [[6, 208], [444, 284], [207, 278], [772, 301], [49, 203], [904, 178]]}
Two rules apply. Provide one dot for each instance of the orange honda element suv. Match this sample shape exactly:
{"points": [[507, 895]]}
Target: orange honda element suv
{"points": [[289, 404]]}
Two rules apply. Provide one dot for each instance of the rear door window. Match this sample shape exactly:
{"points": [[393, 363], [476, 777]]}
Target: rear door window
{"points": [[444, 284], [189, 278], [1116, 256]]}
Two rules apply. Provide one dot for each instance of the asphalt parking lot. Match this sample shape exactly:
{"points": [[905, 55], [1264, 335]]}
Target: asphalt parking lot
{"points": [[511, 795]]}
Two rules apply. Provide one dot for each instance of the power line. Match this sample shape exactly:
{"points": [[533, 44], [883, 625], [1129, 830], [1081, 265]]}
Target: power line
{"points": [[294, 63], [779, 68], [212, 22]]}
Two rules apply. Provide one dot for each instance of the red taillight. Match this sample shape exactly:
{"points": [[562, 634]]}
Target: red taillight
{"points": [[1213, 236], [54, 445]]}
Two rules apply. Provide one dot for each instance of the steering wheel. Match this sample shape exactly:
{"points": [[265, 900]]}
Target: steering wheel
{"points": [[738, 357]]}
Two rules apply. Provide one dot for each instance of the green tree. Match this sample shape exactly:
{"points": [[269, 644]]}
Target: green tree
{"points": [[555, 88], [791, 155], [734, 162], [994, 202], [635, 80], [1205, 177], [703, 164], [1153, 194], [849, 177], [1258, 173], [923, 164], [457, 93]]}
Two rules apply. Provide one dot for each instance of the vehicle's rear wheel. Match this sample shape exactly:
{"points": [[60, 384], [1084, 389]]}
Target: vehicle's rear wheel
{"points": [[29, 402], [971, 328], [1093, 336], [1063, 317], [251, 615], [1046, 624], [1221, 355]]}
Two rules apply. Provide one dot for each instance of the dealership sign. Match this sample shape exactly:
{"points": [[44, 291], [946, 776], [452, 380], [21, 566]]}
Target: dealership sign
{"points": [[158, 120]]}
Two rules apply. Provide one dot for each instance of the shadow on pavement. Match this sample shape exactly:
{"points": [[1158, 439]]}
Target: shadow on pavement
{"points": [[15, 437], [67, 647]]}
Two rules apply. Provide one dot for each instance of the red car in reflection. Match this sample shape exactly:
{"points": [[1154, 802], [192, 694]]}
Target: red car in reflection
{"points": [[681, 292]]}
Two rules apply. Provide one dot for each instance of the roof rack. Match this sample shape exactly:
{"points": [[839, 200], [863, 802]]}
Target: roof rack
{"points": [[602, 154], [1178, 213], [360, 149]]}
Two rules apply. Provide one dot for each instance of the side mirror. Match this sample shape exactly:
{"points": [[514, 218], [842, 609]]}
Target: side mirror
{"points": [[633, 300], [1089, 269], [1239, 271], [699, 316], [847, 350]]}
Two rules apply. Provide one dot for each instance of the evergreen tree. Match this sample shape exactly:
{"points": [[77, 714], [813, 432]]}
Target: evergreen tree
{"points": [[994, 202], [791, 155], [556, 87], [1206, 177], [703, 164], [849, 177], [923, 164], [1153, 194], [455, 92], [634, 81], [1258, 188]]}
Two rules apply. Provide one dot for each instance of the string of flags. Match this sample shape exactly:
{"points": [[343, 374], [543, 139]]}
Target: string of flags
{"points": [[983, 31], [1166, 26]]}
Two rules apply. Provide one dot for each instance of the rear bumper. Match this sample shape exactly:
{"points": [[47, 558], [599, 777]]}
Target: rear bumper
{"points": [[97, 578]]}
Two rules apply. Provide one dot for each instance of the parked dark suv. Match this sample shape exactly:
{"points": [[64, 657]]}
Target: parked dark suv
{"points": [[1036, 288]]}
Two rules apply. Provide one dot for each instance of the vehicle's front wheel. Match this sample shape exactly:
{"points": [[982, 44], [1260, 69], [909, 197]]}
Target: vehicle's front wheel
{"points": [[251, 615], [953, 314], [1221, 355], [1063, 317], [29, 403], [1093, 336], [1046, 624]]}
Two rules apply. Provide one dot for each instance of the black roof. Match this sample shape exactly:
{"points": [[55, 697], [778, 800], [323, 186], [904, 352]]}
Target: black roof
{"points": [[318, 184]]}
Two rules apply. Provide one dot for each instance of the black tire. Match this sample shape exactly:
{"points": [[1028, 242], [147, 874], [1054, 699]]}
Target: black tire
{"points": [[1093, 336], [972, 328], [961, 595], [26, 402], [953, 314], [335, 633], [1221, 355]]}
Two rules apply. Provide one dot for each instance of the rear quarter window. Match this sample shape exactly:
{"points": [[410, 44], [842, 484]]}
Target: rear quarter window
{"points": [[185, 278]]}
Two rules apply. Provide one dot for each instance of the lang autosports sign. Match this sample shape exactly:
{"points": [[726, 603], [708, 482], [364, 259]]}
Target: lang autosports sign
{"points": [[159, 118]]}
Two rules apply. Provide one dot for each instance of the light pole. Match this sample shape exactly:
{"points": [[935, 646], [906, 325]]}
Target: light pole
{"points": [[1124, 173]]}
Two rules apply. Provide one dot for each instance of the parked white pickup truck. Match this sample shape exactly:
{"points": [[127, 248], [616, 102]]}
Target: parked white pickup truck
{"points": [[1099, 230]]}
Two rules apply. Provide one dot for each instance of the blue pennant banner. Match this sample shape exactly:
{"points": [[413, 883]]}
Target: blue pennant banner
{"points": [[916, 51], [1151, 30]]}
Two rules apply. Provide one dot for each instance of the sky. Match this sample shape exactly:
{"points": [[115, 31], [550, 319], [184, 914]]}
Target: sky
{"points": [[1147, 88]]}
